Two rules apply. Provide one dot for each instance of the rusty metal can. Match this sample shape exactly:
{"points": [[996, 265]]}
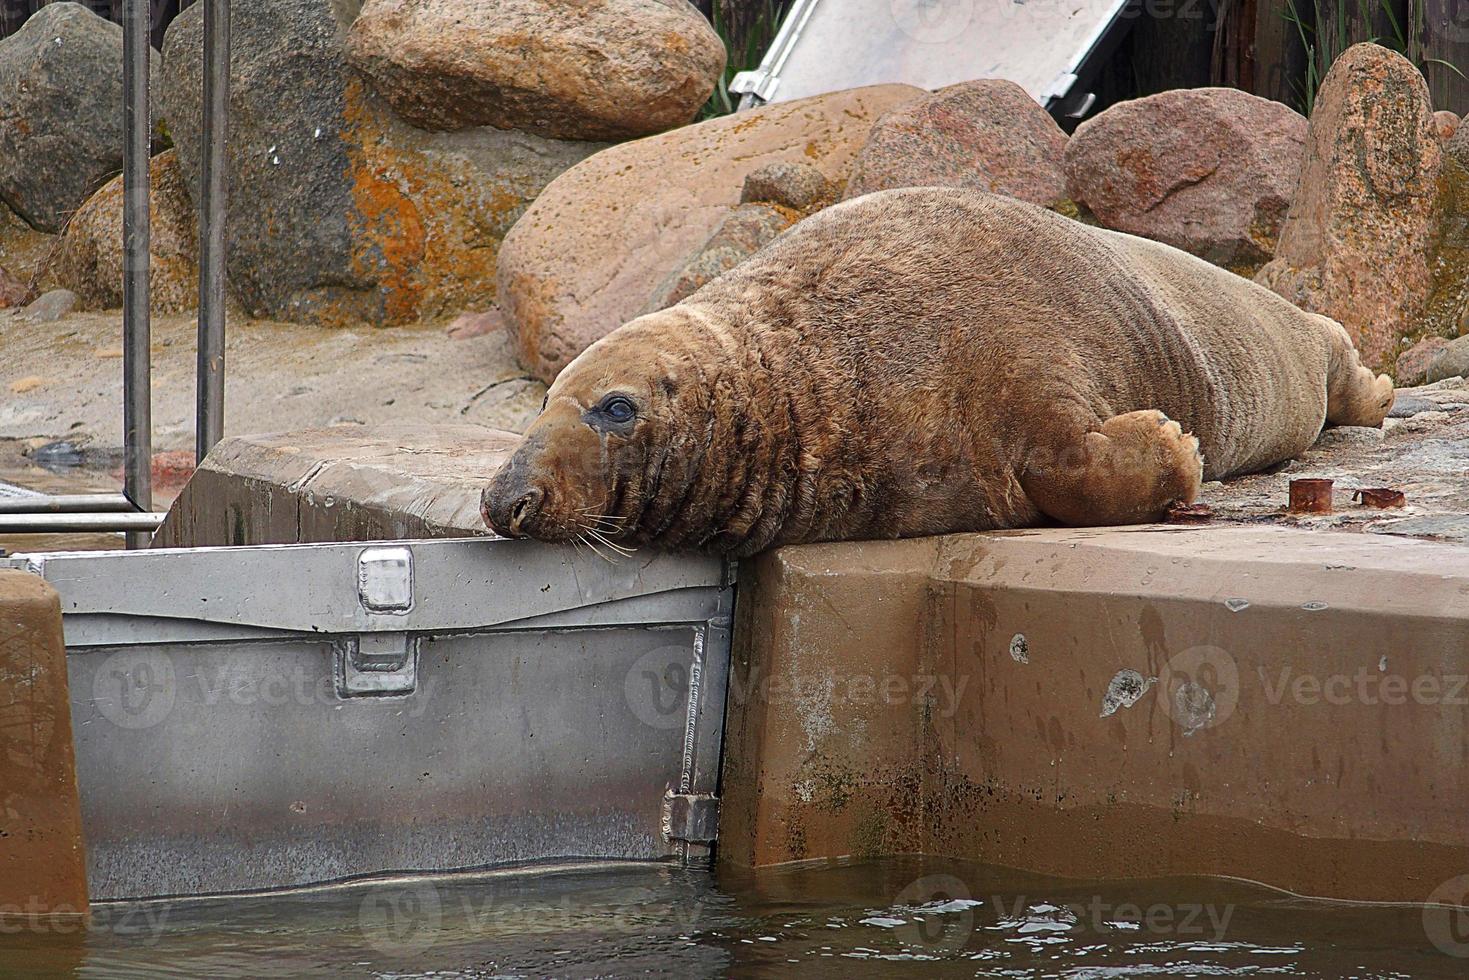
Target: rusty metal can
{"points": [[1310, 496]]}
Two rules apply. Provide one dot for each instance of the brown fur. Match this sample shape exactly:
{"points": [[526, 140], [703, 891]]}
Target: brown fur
{"points": [[923, 361]]}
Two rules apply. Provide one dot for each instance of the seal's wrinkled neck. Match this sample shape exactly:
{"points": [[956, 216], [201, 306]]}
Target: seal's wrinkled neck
{"points": [[739, 468]]}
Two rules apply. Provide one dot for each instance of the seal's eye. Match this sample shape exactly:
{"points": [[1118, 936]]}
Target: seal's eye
{"points": [[618, 408]]}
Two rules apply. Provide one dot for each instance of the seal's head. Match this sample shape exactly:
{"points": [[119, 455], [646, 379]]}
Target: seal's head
{"points": [[613, 442]]}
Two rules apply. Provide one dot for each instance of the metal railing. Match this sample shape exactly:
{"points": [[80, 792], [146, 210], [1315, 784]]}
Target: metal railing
{"points": [[105, 512]]}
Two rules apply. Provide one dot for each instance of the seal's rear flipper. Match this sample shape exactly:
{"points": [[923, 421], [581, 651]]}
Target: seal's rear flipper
{"points": [[1354, 395], [1127, 472]]}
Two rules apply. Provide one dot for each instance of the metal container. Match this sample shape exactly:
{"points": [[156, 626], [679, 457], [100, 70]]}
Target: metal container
{"points": [[277, 716]]}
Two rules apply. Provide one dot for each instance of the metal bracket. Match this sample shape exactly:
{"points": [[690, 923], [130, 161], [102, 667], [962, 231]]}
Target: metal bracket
{"points": [[690, 817], [376, 665]]}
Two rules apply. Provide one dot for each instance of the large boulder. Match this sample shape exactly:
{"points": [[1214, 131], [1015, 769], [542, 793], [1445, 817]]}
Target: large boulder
{"points": [[592, 70], [591, 251], [338, 210], [61, 122], [1211, 171], [986, 134], [89, 261], [1356, 242], [1447, 311]]}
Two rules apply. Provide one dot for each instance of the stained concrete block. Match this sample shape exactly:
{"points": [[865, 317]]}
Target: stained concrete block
{"points": [[345, 483], [43, 879], [1283, 705]]}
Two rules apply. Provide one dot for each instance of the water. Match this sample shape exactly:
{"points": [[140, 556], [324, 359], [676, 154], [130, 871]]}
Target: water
{"points": [[895, 917], [55, 469]]}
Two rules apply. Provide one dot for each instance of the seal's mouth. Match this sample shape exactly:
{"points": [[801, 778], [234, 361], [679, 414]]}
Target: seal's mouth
{"points": [[548, 490]]}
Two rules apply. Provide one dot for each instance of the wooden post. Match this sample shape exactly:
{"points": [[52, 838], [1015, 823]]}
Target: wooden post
{"points": [[1446, 38], [1280, 56]]}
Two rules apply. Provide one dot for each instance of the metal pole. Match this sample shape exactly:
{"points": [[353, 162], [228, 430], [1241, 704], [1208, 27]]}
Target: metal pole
{"points": [[137, 332], [74, 503], [209, 425], [142, 525]]}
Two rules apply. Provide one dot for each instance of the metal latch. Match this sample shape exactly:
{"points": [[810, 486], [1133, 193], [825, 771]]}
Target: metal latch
{"points": [[376, 665], [385, 580], [690, 817]]}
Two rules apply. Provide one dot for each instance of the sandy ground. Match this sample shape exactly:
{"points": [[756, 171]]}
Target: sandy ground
{"points": [[64, 379], [63, 382]]}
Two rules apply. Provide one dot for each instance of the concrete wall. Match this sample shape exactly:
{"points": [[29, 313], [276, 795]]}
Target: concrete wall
{"points": [[1279, 705], [349, 483], [42, 859]]}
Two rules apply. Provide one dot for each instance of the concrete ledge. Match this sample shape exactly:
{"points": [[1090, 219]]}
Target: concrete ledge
{"points": [[1282, 705], [347, 483], [42, 858]]}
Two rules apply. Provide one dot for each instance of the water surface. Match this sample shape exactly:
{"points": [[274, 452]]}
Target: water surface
{"points": [[896, 917]]}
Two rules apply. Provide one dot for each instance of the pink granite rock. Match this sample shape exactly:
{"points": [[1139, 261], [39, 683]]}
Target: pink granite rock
{"points": [[986, 134], [1211, 171], [1356, 244]]}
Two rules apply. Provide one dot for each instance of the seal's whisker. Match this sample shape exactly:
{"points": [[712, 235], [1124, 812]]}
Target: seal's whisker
{"points": [[595, 550], [605, 518], [609, 528], [619, 548]]}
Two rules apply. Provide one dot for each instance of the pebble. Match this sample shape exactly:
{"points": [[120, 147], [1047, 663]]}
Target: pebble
{"points": [[49, 307]]}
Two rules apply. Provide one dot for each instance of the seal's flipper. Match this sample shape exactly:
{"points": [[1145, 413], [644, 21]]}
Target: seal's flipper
{"points": [[1354, 395], [1128, 471]]}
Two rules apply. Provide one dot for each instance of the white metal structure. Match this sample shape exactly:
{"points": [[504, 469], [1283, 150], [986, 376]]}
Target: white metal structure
{"points": [[1046, 46]]}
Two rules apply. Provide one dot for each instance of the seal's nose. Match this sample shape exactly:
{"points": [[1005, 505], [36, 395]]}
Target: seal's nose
{"points": [[524, 510], [509, 514]]}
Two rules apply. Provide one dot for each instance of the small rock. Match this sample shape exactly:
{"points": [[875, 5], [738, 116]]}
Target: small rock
{"points": [[61, 125], [798, 186], [1406, 406], [1211, 171], [587, 71], [1348, 435], [1446, 123], [1356, 243], [1451, 362], [468, 325], [986, 134], [90, 258], [49, 307], [740, 235], [13, 292], [1434, 359], [1411, 369]]}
